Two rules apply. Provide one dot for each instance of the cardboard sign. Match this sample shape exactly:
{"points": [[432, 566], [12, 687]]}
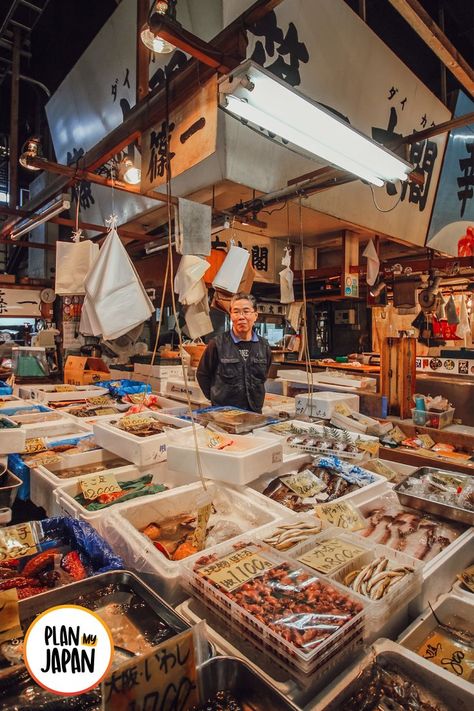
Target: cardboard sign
{"points": [[165, 678], [236, 569], [33, 445], [368, 446], [342, 409], [203, 515], [445, 653], [10, 627], [397, 435], [381, 468], [328, 556], [304, 483], [17, 541], [95, 486], [342, 514]]}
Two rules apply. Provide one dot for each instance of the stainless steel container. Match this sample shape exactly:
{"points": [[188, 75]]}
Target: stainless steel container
{"points": [[454, 513]]}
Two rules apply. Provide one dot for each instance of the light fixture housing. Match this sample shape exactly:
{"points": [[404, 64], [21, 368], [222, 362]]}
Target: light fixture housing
{"points": [[153, 41], [31, 149], [128, 172], [45, 213], [269, 105], [377, 289]]}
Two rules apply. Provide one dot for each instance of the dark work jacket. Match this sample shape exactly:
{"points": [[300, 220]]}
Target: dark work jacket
{"points": [[236, 381]]}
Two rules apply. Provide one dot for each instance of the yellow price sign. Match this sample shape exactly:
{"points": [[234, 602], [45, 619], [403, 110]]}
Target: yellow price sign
{"points": [[164, 678], [17, 541], [445, 653], [368, 446], [397, 435], [235, 569], [95, 486], [10, 625], [342, 409], [34, 445], [328, 556], [203, 515], [100, 400], [65, 388], [342, 514], [304, 483]]}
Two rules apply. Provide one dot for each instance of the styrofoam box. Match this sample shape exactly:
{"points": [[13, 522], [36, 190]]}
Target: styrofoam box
{"points": [[158, 371], [363, 494], [62, 426], [256, 455], [10, 401], [121, 530], [322, 404], [177, 390], [439, 572], [275, 404], [46, 393], [460, 590], [12, 439], [450, 609], [44, 480], [64, 495], [331, 378], [434, 679], [139, 450]]}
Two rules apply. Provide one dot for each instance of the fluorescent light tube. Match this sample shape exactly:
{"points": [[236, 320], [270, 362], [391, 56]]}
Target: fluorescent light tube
{"points": [[46, 213], [254, 95]]}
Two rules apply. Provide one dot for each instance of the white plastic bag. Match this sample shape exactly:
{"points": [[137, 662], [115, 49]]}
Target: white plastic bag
{"points": [[287, 295], [232, 270], [188, 282], [198, 321], [73, 262]]}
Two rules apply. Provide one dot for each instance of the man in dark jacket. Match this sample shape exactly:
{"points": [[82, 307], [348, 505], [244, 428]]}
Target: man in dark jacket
{"points": [[235, 365]]}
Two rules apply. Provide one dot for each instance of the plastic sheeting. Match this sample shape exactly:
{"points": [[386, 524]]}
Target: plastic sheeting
{"points": [[120, 388]]}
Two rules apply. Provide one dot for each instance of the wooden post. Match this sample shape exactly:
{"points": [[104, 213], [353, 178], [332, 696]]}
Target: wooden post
{"points": [[15, 101], [398, 373], [350, 258]]}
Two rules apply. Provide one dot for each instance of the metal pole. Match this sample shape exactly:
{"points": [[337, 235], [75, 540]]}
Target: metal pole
{"points": [[15, 99]]}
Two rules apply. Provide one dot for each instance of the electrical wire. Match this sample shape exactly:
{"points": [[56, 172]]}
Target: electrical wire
{"points": [[277, 209], [378, 207]]}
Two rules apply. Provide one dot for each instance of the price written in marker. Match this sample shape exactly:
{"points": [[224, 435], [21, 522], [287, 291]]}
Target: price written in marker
{"points": [[33, 445], [203, 515], [330, 555], [17, 541], [342, 514], [443, 652], [95, 486], [164, 678], [304, 483], [234, 570]]}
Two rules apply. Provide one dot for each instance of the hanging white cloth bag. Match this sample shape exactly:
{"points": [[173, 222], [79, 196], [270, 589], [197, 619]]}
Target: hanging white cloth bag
{"points": [[232, 270], [287, 295], [73, 262]]}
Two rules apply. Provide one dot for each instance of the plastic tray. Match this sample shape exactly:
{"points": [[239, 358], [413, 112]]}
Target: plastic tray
{"points": [[200, 416], [460, 590], [9, 490], [142, 451], [46, 393], [12, 439], [121, 529], [257, 455], [436, 420], [63, 427], [176, 389], [450, 609], [334, 698], [285, 653]]}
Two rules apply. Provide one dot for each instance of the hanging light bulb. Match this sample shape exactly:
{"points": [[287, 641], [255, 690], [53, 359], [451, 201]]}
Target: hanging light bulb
{"points": [[31, 149], [154, 42], [129, 172]]}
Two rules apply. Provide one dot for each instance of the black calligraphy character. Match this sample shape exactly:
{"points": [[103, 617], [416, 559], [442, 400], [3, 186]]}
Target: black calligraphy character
{"points": [[112, 685], [423, 155], [267, 28], [150, 702], [75, 156], [177, 62], [403, 102], [432, 123], [126, 81], [260, 258], [424, 120], [129, 678], [392, 93], [218, 244], [431, 651], [466, 181], [166, 657], [3, 303], [182, 661], [159, 151], [386, 136], [87, 199], [287, 46], [114, 90], [454, 662]]}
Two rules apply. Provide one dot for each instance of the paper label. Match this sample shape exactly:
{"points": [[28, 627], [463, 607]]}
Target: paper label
{"points": [[44, 458], [467, 577], [370, 447], [215, 440], [101, 400], [379, 467], [104, 411], [236, 569], [10, 627], [397, 435], [33, 445], [17, 541], [304, 483], [426, 441], [330, 555], [343, 409], [95, 486], [203, 515], [65, 388], [445, 653], [164, 678], [342, 514]]}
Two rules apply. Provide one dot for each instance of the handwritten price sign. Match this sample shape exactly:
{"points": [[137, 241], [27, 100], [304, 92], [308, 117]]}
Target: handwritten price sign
{"points": [[17, 541], [95, 486], [445, 654], [342, 514], [305, 483], [236, 569], [330, 555], [164, 678]]}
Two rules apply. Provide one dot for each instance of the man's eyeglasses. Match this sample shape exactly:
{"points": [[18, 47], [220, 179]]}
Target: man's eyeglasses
{"points": [[243, 312]]}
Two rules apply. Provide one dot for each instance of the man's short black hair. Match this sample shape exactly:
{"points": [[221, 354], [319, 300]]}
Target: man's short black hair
{"points": [[241, 295]]}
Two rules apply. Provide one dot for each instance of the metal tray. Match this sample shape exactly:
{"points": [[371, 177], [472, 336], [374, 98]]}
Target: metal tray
{"points": [[243, 682], [454, 513]]}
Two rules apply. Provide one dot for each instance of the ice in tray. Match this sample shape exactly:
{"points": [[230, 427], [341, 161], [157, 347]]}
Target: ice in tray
{"points": [[299, 616]]}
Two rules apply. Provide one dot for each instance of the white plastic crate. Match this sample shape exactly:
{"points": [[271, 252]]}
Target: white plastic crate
{"points": [[66, 505], [158, 371], [275, 405], [384, 651], [44, 478], [62, 426], [255, 455], [176, 389], [47, 393], [121, 529], [12, 439], [451, 609], [323, 404], [142, 451]]}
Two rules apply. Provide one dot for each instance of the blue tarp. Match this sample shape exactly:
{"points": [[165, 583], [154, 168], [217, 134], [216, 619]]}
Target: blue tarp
{"points": [[119, 388]]}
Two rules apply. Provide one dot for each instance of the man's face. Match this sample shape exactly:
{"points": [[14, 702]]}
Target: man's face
{"points": [[243, 317]]}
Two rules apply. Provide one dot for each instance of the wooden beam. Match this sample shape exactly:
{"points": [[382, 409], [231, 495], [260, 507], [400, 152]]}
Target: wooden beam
{"points": [[28, 245], [14, 108], [424, 25], [444, 127]]}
